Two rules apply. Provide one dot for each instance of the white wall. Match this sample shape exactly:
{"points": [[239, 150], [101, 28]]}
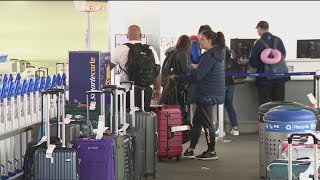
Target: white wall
{"points": [[288, 20], [166, 21]]}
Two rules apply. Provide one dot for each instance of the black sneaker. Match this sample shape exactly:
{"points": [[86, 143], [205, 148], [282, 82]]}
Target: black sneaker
{"points": [[207, 156], [189, 154]]}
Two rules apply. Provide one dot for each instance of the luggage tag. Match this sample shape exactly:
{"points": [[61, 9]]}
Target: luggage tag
{"points": [[313, 100], [42, 140], [78, 116], [180, 128], [92, 105], [49, 152], [101, 128]]}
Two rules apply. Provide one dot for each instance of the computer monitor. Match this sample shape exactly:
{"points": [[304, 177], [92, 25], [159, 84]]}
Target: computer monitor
{"points": [[122, 39], [309, 48], [242, 47]]}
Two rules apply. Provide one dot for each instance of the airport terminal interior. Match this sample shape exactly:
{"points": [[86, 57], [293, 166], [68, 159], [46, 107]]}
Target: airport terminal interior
{"points": [[166, 90]]}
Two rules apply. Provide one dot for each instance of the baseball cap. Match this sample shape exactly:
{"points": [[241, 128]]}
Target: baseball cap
{"points": [[263, 25]]}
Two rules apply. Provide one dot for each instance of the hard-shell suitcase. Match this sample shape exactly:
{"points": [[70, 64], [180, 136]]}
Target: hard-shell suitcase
{"points": [[297, 169], [138, 138], [147, 121], [72, 132], [62, 162], [169, 142]]}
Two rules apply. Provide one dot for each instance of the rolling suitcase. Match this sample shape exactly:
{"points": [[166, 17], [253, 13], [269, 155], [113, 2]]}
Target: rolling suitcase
{"points": [[148, 121], [52, 162], [294, 169], [170, 142], [97, 158], [300, 149], [170, 129], [138, 138], [72, 131], [122, 143]]}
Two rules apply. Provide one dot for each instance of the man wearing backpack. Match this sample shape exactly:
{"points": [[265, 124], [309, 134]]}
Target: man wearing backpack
{"points": [[139, 63], [269, 88]]}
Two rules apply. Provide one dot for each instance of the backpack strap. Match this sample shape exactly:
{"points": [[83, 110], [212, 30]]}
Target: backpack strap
{"points": [[129, 45], [265, 44], [275, 43]]}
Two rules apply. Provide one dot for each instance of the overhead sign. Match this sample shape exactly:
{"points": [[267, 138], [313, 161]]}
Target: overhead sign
{"points": [[90, 6]]}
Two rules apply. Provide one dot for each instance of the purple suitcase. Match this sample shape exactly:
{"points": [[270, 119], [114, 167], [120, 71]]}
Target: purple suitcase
{"points": [[96, 158]]}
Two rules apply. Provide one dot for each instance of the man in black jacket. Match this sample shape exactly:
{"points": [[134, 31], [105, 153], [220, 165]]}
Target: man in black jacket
{"points": [[268, 90]]}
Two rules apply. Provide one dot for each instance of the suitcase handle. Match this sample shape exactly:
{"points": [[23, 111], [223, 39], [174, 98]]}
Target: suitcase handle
{"points": [[53, 91], [44, 69], [112, 87], [315, 142], [15, 60], [57, 64], [94, 91], [131, 83], [291, 136], [60, 109]]}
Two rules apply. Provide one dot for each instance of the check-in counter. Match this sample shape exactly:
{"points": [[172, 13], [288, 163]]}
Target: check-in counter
{"points": [[246, 96]]}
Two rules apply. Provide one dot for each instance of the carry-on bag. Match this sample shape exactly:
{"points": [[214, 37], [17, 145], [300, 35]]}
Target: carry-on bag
{"points": [[148, 121], [97, 158], [119, 147], [54, 161], [303, 168]]}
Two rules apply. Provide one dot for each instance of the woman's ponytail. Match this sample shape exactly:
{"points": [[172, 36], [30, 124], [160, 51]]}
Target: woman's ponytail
{"points": [[221, 41]]}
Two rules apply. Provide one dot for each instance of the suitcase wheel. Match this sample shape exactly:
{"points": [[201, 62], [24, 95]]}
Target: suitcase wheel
{"points": [[178, 158]]}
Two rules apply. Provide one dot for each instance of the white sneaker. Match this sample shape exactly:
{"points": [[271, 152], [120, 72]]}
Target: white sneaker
{"points": [[235, 132], [217, 132]]}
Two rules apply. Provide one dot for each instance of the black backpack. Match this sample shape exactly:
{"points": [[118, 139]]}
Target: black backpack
{"points": [[167, 65], [140, 66]]}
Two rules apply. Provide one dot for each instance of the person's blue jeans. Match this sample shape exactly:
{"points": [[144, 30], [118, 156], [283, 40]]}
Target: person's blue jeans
{"points": [[228, 104]]}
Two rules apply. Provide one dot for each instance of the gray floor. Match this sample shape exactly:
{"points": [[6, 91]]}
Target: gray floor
{"points": [[238, 160]]}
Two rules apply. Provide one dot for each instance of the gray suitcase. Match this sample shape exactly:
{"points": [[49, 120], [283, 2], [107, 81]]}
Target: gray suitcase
{"points": [[63, 163], [137, 136], [147, 121], [72, 132]]}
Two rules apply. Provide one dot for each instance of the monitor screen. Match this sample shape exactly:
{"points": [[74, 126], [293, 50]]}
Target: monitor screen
{"points": [[242, 47], [122, 38], [308, 48]]}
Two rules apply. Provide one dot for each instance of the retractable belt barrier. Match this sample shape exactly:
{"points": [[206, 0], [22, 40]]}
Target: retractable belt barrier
{"points": [[270, 74]]}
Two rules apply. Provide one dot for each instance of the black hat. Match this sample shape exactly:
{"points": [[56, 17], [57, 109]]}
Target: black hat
{"points": [[263, 25]]}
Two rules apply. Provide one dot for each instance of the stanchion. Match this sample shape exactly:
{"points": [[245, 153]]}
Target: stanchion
{"points": [[221, 134]]}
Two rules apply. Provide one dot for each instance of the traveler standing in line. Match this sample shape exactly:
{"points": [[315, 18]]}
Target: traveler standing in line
{"points": [[195, 58], [143, 75], [208, 80], [229, 82], [177, 62], [268, 89]]}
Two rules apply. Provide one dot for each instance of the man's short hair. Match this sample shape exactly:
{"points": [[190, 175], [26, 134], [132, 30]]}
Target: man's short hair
{"points": [[204, 28], [263, 25]]}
